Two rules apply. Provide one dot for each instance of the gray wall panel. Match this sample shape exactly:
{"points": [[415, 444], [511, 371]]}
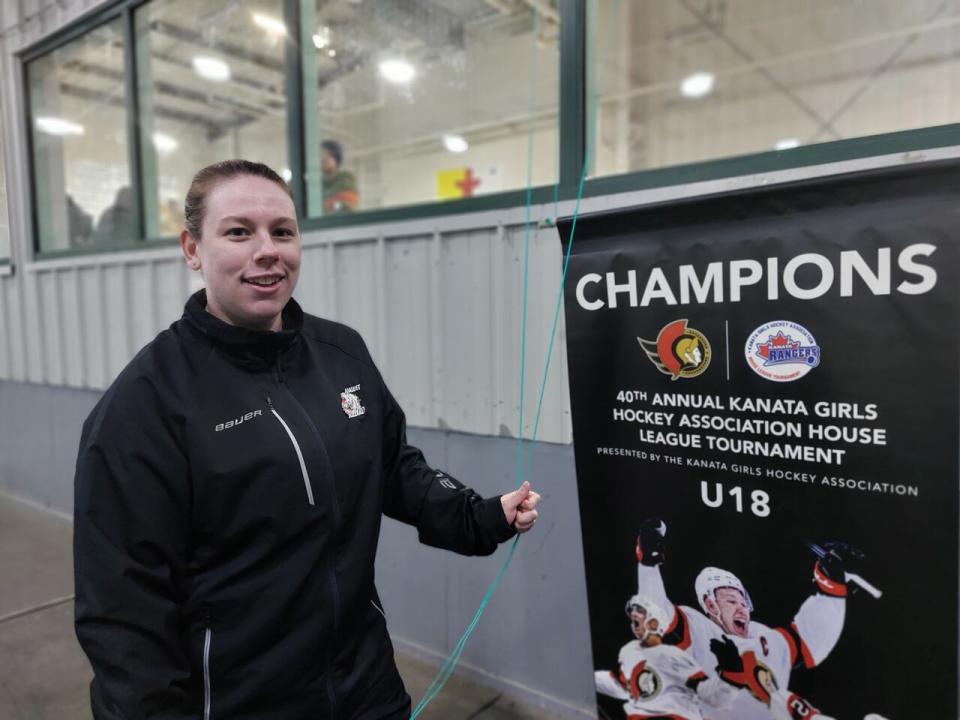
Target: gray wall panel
{"points": [[116, 327], [408, 369], [33, 332], [311, 289], [141, 301], [6, 338], [15, 333], [94, 330], [356, 294], [73, 322], [169, 279], [466, 331], [51, 328]]}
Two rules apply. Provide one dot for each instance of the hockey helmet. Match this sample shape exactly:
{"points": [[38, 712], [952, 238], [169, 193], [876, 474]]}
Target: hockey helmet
{"points": [[712, 579], [652, 611]]}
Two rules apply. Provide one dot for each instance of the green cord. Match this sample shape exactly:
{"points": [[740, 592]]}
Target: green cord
{"points": [[450, 664]]}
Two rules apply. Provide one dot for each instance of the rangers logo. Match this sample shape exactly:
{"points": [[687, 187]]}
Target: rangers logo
{"points": [[782, 351], [644, 682], [350, 403], [678, 351]]}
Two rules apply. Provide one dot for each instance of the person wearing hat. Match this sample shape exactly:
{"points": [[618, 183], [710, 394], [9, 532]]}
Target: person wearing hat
{"points": [[339, 186]]}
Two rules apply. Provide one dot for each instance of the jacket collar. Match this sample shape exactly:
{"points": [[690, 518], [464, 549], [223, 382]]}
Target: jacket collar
{"points": [[246, 345]]}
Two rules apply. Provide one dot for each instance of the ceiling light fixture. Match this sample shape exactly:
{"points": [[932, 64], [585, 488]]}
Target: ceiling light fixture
{"points": [[286, 174], [397, 71], [455, 143], [787, 144], [331, 52], [164, 143], [321, 38], [211, 68], [59, 126], [269, 23], [697, 85]]}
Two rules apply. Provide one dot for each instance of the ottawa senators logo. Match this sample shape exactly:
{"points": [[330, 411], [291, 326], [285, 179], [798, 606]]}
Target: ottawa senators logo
{"points": [[645, 683], [678, 351]]}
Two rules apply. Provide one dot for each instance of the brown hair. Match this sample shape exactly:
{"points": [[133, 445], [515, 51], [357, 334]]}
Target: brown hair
{"points": [[209, 177]]}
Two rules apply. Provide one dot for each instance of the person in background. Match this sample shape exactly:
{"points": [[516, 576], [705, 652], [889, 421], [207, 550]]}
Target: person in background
{"points": [[339, 186], [230, 486], [79, 223], [117, 224]]}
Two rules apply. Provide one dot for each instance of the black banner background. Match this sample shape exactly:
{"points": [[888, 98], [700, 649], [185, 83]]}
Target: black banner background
{"points": [[897, 655]]}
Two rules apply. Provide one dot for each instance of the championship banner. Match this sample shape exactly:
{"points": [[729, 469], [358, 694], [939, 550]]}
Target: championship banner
{"points": [[764, 388]]}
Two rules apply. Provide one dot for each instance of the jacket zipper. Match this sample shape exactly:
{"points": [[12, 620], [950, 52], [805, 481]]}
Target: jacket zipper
{"points": [[331, 570], [207, 638], [296, 447]]}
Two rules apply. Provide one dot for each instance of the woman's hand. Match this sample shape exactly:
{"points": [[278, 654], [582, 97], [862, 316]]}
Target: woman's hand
{"points": [[519, 507]]}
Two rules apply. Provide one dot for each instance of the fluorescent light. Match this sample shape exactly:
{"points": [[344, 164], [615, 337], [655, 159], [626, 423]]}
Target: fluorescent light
{"points": [[286, 174], [164, 143], [787, 144], [455, 143], [211, 68], [331, 52], [697, 85], [271, 24], [321, 38], [59, 126], [397, 71]]}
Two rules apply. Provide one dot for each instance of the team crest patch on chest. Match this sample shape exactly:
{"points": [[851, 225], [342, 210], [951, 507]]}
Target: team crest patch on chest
{"points": [[350, 402]]}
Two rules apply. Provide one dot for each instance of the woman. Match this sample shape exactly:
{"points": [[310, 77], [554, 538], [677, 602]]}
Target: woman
{"points": [[229, 490]]}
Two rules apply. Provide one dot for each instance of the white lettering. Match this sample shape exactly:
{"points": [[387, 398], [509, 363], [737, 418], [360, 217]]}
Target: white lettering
{"points": [[739, 279], [588, 279], [790, 272], [878, 284], [657, 287], [927, 273], [712, 277], [629, 287]]}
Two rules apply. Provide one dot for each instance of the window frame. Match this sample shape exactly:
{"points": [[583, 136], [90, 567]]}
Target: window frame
{"points": [[74, 31], [573, 129]]}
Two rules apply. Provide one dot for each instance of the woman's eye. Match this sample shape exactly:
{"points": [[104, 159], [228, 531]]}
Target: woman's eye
{"points": [[237, 231], [284, 232]]}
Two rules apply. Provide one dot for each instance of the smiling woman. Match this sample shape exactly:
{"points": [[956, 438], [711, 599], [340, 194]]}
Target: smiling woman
{"points": [[230, 486]]}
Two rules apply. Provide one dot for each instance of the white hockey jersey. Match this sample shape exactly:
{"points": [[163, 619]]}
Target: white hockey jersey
{"points": [[655, 682], [769, 654]]}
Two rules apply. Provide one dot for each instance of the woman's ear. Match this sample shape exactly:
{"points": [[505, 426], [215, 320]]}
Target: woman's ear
{"points": [[189, 247]]}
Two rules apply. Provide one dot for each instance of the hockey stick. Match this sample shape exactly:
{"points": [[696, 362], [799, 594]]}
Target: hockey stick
{"points": [[869, 588]]}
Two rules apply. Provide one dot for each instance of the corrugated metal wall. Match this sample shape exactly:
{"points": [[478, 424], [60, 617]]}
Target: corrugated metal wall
{"points": [[440, 311]]}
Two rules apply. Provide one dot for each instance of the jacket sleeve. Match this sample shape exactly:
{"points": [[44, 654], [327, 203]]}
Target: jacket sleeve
{"points": [[131, 529], [446, 514]]}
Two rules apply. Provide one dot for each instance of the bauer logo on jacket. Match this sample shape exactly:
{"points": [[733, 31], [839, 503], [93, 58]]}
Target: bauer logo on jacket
{"points": [[351, 403]]}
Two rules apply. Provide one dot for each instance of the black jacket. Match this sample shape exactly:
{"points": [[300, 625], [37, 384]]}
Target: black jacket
{"points": [[229, 490]]}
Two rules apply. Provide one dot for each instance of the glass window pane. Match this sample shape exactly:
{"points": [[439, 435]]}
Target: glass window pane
{"points": [[429, 100], [78, 126], [211, 87], [681, 81]]}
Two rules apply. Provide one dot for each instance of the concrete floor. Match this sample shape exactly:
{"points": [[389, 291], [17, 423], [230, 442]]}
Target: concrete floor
{"points": [[44, 674]]}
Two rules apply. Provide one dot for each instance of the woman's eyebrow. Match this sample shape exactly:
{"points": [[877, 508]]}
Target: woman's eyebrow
{"points": [[247, 221], [235, 218]]}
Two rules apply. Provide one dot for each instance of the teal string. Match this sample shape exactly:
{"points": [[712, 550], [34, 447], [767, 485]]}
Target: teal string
{"points": [[450, 663]]}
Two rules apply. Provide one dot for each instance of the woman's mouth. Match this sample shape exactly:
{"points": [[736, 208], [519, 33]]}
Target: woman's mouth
{"points": [[264, 281]]}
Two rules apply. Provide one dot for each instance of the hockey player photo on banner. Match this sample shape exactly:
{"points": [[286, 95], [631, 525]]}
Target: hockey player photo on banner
{"points": [[764, 388]]}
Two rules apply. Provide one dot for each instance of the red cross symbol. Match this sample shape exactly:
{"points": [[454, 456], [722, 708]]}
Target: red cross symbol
{"points": [[468, 183]]}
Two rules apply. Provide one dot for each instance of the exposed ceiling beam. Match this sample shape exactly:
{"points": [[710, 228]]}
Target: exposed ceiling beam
{"points": [[719, 32]]}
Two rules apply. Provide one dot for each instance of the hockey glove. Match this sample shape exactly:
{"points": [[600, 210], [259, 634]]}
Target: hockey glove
{"points": [[651, 542], [830, 571], [743, 671]]}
